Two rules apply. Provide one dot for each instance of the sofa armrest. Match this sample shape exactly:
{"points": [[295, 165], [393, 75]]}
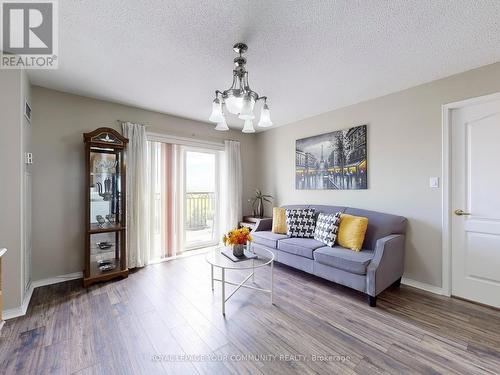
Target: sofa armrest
{"points": [[387, 264], [263, 224]]}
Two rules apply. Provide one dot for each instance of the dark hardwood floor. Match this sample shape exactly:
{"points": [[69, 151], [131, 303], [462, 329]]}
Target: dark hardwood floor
{"points": [[154, 320]]}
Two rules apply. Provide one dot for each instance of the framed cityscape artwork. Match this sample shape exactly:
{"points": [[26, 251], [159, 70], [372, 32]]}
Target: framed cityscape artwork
{"points": [[332, 161]]}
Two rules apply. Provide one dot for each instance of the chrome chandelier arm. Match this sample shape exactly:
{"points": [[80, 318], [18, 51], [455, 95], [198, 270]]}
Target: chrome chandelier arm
{"points": [[244, 87], [239, 99]]}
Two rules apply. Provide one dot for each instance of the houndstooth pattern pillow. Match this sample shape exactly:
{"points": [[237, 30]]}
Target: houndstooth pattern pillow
{"points": [[300, 222], [327, 227]]}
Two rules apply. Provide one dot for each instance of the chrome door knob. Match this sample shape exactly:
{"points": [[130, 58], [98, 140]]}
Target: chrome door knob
{"points": [[460, 212]]}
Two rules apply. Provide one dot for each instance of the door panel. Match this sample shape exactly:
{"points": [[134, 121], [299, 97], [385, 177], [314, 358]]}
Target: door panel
{"points": [[475, 148], [483, 136], [482, 256]]}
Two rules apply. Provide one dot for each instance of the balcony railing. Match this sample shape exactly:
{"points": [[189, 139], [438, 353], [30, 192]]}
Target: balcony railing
{"points": [[200, 210]]}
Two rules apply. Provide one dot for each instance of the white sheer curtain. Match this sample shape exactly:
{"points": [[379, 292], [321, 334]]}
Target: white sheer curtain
{"points": [[158, 218], [138, 228], [177, 206], [232, 188], [164, 190]]}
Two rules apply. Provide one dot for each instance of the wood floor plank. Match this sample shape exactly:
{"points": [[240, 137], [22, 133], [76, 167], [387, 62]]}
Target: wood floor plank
{"points": [[54, 359], [139, 348], [27, 353], [166, 349], [194, 346], [236, 361], [470, 360]]}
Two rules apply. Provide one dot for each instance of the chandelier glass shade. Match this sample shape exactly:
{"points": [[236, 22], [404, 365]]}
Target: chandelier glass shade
{"points": [[234, 103], [222, 126], [239, 99], [265, 117], [248, 127], [217, 115]]}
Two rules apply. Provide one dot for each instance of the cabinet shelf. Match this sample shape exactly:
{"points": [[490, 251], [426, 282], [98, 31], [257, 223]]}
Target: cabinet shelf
{"points": [[103, 173], [98, 275], [95, 228]]}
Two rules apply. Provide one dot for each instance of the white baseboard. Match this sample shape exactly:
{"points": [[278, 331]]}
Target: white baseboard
{"points": [[21, 310], [57, 279], [423, 286]]}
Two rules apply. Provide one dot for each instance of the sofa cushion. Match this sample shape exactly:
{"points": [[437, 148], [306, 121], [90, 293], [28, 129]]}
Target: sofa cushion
{"points": [[339, 257], [303, 247], [267, 238]]}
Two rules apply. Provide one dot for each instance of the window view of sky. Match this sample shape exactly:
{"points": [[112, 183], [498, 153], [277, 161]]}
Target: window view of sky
{"points": [[200, 172]]}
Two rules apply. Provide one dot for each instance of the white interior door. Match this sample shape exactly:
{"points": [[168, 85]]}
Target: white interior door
{"points": [[475, 145]]}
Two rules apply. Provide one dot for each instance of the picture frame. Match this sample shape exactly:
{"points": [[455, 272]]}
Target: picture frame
{"points": [[332, 161]]}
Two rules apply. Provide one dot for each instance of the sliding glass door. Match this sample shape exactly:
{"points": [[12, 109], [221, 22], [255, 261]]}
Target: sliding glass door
{"points": [[201, 198], [183, 188]]}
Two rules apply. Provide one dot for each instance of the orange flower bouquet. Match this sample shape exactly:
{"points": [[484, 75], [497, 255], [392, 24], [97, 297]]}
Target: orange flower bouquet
{"points": [[237, 238]]}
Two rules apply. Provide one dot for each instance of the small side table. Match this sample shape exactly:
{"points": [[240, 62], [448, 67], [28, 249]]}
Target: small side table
{"points": [[252, 222], [2, 253], [216, 259]]}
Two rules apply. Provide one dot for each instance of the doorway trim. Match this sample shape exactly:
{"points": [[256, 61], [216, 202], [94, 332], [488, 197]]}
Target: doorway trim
{"points": [[446, 193]]}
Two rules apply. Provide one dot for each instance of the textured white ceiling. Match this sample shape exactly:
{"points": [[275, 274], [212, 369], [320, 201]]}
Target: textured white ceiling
{"points": [[308, 57]]}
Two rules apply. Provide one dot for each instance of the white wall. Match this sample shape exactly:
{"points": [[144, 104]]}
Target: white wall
{"points": [[59, 120], [404, 150]]}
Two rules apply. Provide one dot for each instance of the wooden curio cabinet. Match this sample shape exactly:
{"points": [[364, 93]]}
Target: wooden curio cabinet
{"points": [[105, 250]]}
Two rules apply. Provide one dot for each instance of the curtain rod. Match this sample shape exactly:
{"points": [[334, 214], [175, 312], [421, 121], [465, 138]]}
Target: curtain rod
{"points": [[148, 126]]}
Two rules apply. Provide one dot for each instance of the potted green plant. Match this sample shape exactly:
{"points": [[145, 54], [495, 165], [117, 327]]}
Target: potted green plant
{"points": [[257, 202]]}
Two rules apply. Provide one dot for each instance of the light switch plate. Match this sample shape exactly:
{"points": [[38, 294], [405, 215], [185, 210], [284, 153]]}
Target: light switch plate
{"points": [[434, 182]]}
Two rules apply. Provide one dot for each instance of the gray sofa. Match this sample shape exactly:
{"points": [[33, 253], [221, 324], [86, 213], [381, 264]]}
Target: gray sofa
{"points": [[372, 270]]}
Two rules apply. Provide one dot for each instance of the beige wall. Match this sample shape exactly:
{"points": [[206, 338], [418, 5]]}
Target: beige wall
{"points": [[404, 150], [14, 141], [59, 120]]}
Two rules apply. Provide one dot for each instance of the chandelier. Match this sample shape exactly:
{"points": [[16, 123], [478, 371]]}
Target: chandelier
{"points": [[239, 99]]}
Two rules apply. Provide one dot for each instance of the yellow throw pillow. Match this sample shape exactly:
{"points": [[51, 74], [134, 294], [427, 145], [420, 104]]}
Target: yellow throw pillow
{"points": [[352, 231], [279, 220]]}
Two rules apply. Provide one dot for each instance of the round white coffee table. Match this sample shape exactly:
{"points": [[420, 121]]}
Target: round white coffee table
{"points": [[216, 259]]}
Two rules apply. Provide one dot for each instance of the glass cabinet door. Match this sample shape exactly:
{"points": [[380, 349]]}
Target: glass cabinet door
{"points": [[105, 210], [104, 252]]}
